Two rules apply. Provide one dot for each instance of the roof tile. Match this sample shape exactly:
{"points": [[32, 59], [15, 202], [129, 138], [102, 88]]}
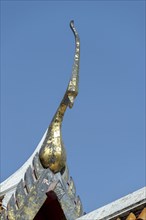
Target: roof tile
{"points": [[142, 215], [131, 216]]}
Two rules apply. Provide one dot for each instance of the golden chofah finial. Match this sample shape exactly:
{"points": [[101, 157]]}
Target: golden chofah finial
{"points": [[52, 153]]}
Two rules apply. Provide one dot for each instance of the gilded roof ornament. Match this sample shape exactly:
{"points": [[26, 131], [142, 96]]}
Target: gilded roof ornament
{"points": [[25, 193], [52, 153]]}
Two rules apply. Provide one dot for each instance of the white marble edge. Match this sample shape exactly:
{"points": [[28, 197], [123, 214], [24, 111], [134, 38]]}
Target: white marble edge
{"points": [[119, 206]]}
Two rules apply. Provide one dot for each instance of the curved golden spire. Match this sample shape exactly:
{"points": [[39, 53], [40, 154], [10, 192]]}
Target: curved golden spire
{"points": [[52, 153]]}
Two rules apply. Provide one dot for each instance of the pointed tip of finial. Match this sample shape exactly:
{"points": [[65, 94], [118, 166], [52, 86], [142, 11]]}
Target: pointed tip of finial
{"points": [[73, 28], [72, 23]]}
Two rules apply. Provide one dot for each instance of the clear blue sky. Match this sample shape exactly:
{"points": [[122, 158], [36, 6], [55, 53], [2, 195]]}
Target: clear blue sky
{"points": [[104, 132]]}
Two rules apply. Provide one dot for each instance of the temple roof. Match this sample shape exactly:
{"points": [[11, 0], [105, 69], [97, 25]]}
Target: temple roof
{"points": [[42, 187], [128, 207]]}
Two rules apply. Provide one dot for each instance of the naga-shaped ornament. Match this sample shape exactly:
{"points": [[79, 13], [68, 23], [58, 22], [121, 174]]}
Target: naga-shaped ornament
{"points": [[52, 153]]}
